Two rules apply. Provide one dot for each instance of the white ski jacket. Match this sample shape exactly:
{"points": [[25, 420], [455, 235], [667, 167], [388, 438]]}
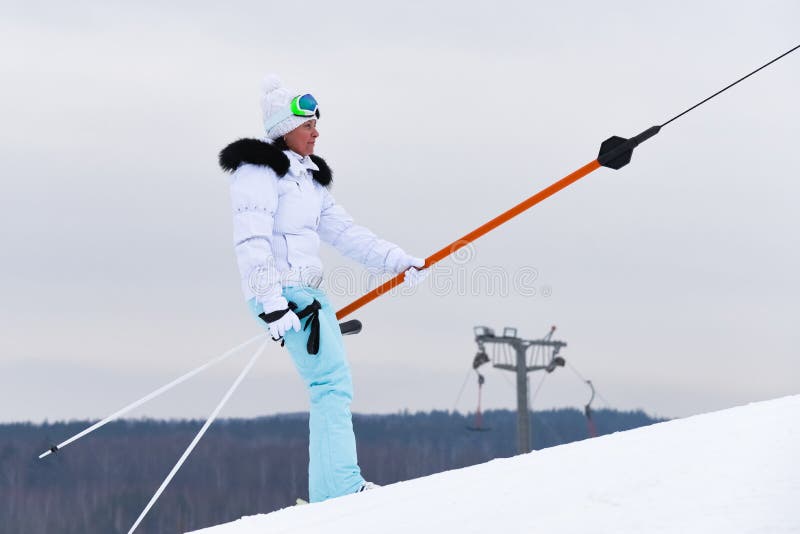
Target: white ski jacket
{"points": [[281, 211]]}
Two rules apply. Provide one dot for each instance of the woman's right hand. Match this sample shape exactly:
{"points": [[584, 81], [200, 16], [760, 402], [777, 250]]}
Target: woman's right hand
{"points": [[282, 325], [280, 321]]}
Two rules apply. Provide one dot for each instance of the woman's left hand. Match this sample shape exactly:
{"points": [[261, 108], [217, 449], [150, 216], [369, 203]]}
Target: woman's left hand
{"points": [[412, 267], [413, 277], [405, 262]]}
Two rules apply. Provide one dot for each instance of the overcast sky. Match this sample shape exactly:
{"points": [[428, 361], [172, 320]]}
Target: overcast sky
{"points": [[674, 281]]}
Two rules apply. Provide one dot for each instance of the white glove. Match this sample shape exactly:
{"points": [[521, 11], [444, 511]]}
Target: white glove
{"points": [[406, 262], [414, 277], [281, 325]]}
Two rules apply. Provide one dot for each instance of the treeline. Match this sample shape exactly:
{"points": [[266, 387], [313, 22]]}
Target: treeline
{"points": [[241, 467]]}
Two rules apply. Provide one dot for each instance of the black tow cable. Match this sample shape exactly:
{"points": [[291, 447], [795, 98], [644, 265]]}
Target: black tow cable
{"points": [[616, 152]]}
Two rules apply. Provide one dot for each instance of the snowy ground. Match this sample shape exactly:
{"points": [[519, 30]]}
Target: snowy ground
{"points": [[733, 471]]}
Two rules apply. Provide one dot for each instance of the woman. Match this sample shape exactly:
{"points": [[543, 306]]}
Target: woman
{"points": [[281, 210]]}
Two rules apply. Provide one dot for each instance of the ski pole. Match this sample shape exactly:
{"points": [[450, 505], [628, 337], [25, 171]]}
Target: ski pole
{"points": [[615, 153], [154, 394], [199, 435]]}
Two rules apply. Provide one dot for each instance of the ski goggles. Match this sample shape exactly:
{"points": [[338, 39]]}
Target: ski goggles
{"points": [[304, 105], [300, 106]]}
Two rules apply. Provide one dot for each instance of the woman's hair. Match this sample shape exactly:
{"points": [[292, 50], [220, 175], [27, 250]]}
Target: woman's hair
{"points": [[280, 144]]}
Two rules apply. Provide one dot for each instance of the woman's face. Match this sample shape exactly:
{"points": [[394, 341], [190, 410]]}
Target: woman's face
{"points": [[302, 138]]}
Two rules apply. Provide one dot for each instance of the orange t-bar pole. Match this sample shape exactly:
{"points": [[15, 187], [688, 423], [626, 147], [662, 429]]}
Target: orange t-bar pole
{"points": [[473, 235], [615, 153]]}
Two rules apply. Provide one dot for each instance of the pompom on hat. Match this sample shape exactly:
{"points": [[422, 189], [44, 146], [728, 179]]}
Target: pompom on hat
{"points": [[275, 101]]}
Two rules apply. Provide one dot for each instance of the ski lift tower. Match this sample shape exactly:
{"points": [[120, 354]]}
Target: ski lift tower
{"points": [[527, 355]]}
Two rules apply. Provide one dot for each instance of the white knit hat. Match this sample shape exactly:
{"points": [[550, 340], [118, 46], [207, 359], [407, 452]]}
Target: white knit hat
{"points": [[275, 99]]}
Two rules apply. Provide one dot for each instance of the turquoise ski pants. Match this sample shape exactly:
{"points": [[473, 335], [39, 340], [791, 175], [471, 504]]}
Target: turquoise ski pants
{"points": [[333, 465]]}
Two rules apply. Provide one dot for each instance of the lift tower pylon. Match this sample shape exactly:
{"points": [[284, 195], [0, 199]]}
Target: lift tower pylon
{"points": [[531, 355]]}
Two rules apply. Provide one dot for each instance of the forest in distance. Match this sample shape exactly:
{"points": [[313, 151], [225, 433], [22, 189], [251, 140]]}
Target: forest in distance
{"points": [[242, 466]]}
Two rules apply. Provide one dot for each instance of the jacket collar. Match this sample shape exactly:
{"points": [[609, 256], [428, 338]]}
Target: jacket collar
{"points": [[265, 154], [298, 164]]}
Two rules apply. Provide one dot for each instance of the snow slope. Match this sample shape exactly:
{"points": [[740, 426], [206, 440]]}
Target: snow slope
{"points": [[733, 471]]}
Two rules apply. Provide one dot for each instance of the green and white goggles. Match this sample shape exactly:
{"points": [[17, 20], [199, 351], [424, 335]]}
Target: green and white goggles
{"points": [[300, 106]]}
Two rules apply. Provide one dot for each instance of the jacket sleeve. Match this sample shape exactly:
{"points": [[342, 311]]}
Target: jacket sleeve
{"points": [[337, 228], [254, 199]]}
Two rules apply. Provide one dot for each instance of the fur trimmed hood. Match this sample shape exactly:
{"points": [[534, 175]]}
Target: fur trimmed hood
{"points": [[258, 152]]}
